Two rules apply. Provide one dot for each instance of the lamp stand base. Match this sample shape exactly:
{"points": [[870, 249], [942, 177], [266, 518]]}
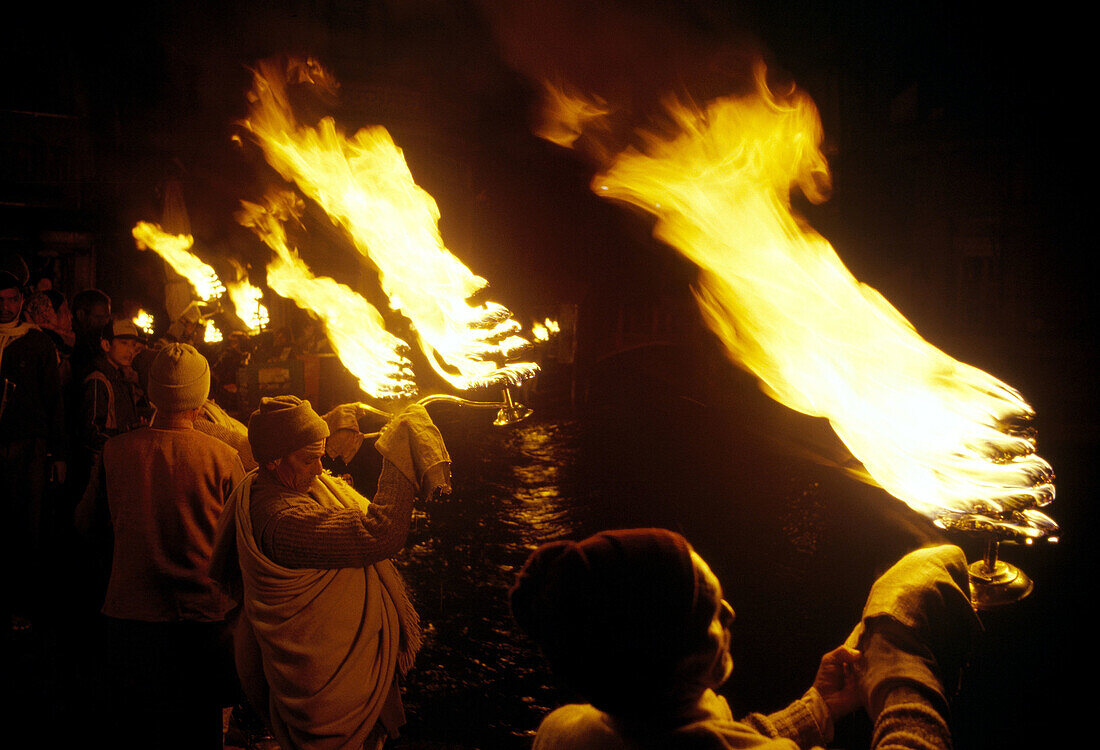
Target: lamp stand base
{"points": [[996, 585]]}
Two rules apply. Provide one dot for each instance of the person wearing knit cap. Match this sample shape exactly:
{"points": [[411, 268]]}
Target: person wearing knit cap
{"points": [[170, 667], [634, 622], [327, 627]]}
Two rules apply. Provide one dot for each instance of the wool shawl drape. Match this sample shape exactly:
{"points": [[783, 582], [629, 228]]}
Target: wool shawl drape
{"points": [[331, 640]]}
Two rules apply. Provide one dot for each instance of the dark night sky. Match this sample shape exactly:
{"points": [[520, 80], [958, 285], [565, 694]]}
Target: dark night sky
{"points": [[162, 85]]}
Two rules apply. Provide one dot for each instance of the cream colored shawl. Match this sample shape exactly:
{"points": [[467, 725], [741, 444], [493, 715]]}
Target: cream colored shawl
{"points": [[331, 640]]}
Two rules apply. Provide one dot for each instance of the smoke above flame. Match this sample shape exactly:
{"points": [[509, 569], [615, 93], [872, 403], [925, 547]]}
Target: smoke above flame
{"points": [[946, 438], [364, 185]]}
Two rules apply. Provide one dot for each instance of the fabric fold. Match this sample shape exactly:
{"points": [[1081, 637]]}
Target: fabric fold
{"points": [[413, 444], [330, 640]]}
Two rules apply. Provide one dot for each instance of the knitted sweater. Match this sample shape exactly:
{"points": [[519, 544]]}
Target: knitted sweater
{"points": [[293, 530]]}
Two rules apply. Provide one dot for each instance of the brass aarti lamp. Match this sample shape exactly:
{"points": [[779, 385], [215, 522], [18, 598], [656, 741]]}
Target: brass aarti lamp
{"points": [[509, 411], [994, 582]]}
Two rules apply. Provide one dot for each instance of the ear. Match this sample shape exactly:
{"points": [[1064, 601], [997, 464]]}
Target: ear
{"points": [[105, 345]]}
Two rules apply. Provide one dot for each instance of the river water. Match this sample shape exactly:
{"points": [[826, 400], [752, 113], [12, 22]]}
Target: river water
{"points": [[795, 542], [479, 682]]}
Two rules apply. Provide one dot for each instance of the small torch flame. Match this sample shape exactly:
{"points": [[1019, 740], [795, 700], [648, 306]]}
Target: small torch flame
{"points": [[176, 250], [144, 321], [211, 334], [543, 331], [248, 304], [365, 186]]}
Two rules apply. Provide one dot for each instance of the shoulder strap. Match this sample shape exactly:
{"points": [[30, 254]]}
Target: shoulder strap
{"points": [[112, 422]]}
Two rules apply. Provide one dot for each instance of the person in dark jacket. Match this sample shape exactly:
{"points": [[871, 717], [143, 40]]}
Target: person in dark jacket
{"points": [[31, 447]]}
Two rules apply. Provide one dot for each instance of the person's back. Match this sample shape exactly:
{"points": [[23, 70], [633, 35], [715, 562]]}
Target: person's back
{"points": [[169, 661], [167, 488]]}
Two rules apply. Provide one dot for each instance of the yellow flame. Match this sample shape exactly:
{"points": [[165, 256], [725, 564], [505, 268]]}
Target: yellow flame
{"points": [[145, 322], [176, 250], [364, 185], [542, 331], [353, 326], [932, 431], [211, 333], [567, 113], [248, 304]]}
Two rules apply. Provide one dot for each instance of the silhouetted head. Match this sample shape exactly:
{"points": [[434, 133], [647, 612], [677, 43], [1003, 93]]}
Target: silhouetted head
{"points": [[633, 620]]}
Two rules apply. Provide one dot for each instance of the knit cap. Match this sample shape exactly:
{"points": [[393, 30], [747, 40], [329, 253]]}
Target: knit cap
{"points": [[614, 614], [179, 378], [282, 425]]}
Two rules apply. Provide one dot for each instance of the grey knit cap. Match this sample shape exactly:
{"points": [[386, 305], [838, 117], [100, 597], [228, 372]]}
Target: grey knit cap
{"points": [[179, 378], [282, 425]]}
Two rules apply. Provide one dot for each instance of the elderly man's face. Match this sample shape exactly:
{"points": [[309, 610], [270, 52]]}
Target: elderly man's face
{"points": [[298, 469], [11, 304]]}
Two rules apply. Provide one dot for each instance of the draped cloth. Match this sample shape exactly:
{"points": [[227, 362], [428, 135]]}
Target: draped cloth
{"points": [[331, 640], [9, 332]]}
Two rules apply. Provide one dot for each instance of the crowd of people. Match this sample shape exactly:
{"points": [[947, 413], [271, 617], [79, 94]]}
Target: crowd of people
{"points": [[213, 563]]}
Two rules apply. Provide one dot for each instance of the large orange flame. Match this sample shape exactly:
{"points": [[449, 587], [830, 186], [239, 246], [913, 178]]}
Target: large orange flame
{"points": [[936, 433], [354, 327], [364, 185]]}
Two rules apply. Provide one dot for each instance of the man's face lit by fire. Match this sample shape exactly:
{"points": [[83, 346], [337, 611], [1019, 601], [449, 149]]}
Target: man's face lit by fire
{"points": [[11, 304], [121, 351], [297, 470], [718, 633]]}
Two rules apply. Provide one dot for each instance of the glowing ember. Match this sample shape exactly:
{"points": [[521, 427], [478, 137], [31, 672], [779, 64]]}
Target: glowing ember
{"points": [[353, 326], [176, 250], [145, 322], [364, 185], [936, 433]]}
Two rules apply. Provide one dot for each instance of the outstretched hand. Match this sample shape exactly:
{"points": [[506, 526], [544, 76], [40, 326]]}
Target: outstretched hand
{"points": [[837, 681]]}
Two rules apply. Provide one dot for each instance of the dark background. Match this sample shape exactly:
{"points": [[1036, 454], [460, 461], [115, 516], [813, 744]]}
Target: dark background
{"points": [[961, 144]]}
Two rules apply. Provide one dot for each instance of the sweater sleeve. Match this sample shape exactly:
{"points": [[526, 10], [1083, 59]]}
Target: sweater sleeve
{"points": [[910, 721], [806, 721], [307, 535]]}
